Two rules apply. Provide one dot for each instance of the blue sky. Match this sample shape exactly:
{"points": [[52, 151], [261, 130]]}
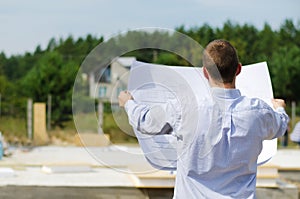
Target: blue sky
{"points": [[28, 23]]}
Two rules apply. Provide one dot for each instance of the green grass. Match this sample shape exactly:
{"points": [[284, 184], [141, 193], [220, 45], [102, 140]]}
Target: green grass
{"points": [[13, 129], [85, 123], [15, 132], [115, 124]]}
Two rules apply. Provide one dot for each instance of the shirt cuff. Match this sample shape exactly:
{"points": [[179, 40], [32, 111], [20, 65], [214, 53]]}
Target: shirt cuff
{"points": [[128, 105]]}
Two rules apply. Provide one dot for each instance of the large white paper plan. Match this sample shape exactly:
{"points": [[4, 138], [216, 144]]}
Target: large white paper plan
{"points": [[158, 84]]}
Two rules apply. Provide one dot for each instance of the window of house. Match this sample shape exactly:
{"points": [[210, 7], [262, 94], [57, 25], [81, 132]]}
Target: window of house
{"points": [[102, 91], [105, 75]]}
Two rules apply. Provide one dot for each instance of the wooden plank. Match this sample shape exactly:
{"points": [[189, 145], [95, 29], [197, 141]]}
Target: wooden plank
{"points": [[40, 135], [66, 169]]}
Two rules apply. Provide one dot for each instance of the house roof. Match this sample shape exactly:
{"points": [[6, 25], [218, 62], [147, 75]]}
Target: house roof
{"points": [[126, 61]]}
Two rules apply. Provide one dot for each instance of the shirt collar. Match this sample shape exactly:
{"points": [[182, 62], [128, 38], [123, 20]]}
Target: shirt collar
{"points": [[225, 93]]}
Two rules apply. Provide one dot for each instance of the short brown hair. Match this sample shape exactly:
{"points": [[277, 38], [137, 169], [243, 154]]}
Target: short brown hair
{"points": [[221, 60]]}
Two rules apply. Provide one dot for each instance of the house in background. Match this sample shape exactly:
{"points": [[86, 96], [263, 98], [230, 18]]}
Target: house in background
{"points": [[106, 83]]}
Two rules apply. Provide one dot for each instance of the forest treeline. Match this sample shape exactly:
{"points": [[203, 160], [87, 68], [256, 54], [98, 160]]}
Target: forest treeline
{"points": [[52, 70]]}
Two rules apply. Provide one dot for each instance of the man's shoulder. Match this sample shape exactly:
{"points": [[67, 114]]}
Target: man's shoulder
{"points": [[241, 103], [248, 103]]}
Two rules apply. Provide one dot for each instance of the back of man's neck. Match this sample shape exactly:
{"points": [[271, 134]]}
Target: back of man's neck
{"points": [[222, 85]]}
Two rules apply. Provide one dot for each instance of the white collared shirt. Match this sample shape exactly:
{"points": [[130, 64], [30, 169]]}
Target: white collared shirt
{"points": [[219, 159]]}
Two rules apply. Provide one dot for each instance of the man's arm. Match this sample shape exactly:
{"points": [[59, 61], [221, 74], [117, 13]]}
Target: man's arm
{"points": [[280, 119], [146, 119]]}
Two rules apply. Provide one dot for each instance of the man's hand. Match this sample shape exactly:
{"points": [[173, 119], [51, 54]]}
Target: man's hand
{"points": [[124, 97], [278, 103]]}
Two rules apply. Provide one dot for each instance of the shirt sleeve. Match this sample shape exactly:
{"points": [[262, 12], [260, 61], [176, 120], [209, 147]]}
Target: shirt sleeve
{"points": [[148, 119], [279, 124]]}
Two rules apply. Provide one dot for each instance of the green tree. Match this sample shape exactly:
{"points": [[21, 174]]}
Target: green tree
{"points": [[51, 75], [52, 70], [285, 70], [288, 34], [266, 43]]}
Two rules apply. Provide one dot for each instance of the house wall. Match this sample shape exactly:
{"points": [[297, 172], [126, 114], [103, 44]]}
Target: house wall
{"points": [[119, 81]]}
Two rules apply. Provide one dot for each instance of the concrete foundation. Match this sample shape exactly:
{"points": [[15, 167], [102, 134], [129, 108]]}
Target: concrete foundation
{"points": [[36, 192], [118, 177]]}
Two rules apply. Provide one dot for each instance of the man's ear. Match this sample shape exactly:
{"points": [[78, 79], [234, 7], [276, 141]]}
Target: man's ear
{"points": [[205, 73], [238, 70]]}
